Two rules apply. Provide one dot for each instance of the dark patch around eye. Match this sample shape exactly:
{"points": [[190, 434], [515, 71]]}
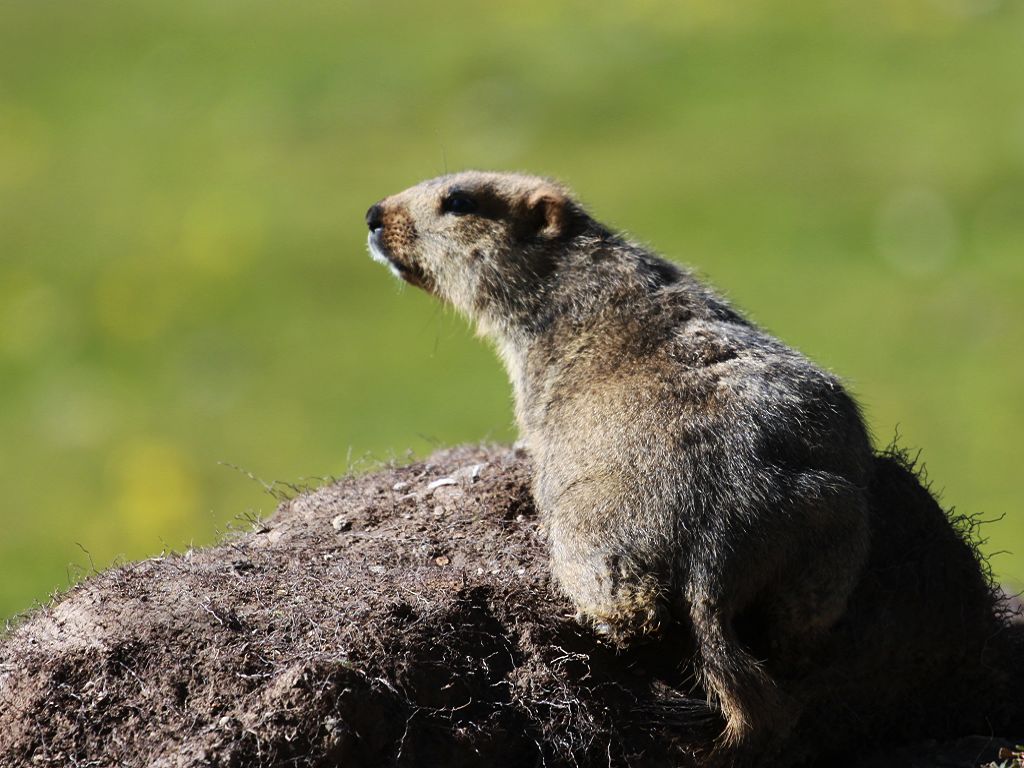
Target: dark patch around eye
{"points": [[485, 203], [459, 203]]}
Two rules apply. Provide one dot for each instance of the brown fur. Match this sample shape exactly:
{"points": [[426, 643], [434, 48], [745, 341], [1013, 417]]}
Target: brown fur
{"points": [[689, 466]]}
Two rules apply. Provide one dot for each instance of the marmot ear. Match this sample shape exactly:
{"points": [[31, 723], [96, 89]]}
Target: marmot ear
{"points": [[550, 213]]}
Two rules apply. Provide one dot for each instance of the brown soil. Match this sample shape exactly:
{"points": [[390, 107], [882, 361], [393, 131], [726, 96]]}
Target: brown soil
{"points": [[403, 618]]}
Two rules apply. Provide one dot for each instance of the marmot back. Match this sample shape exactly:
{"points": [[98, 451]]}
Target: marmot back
{"points": [[689, 466]]}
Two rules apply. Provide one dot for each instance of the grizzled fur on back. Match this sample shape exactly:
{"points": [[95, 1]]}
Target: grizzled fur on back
{"points": [[689, 466]]}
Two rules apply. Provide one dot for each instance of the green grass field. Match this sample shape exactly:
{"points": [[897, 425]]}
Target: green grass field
{"points": [[184, 283]]}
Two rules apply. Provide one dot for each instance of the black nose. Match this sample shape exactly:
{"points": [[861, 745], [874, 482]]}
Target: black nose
{"points": [[375, 217]]}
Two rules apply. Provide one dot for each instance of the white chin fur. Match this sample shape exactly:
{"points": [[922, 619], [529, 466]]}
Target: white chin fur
{"points": [[380, 258], [375, 253]]}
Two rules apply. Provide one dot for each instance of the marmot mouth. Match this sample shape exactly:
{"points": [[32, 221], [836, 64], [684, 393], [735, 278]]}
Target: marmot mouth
{"points": [[410, 273]]}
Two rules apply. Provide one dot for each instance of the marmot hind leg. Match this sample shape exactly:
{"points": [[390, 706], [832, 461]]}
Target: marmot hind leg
{"points": [[758, 716]]}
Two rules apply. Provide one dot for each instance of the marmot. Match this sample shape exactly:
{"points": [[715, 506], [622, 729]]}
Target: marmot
{"points": [[688, 465]]}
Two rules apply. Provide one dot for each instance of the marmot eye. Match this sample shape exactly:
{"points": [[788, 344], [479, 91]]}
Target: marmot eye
{"points": [[458, 203]]}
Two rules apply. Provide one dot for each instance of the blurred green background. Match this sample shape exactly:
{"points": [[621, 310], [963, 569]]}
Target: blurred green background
{"points": [[183, 278]]}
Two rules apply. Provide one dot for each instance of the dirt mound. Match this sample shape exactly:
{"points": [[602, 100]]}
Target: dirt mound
{"points": [[403, 618]]}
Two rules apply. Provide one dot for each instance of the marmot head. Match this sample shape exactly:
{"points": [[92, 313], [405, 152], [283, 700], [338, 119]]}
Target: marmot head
{"points": [[473, 239]]}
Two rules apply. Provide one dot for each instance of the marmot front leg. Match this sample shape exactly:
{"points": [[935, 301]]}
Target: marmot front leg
{"points": [[611, 593]]}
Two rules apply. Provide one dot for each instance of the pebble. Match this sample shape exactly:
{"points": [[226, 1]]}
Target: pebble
{"points": [[470, 473]]}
